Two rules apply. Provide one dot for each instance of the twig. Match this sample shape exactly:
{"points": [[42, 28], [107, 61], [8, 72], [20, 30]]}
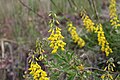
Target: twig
{"points": [[95, 9], [92, 68], [93, 6], [90, 3], [70, 3], [3, 49], [74, 3], [30, 9], [55, 5], [6, 40]]}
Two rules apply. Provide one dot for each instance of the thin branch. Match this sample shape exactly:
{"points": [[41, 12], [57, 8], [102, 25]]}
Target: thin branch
{"points": [[30, 8], [95, 9], [3, 49], [74, 3], [92, 68], [93, 6], [70, 3], [6, 40], [90, 3], [55, 5]]}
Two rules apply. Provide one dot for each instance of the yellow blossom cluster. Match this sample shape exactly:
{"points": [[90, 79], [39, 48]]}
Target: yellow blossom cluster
{"points": [[102, 40], [88, 23], [90, 26], [75, 36], [113, 14], [109, 67], [35, 69], [106, 77], [39, 51], [37, 72], [56, 39], [80, 67]]}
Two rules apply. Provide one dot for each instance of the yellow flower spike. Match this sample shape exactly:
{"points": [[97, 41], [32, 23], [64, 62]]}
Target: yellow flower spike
{"points": [[35, 69], [102, 40], [37, 72], [113, 14], [88, 23], [75, 36], [56, 40], [90, 26], [109, 68]]}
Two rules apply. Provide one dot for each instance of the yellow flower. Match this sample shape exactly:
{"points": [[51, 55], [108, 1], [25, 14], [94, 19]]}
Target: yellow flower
{"points": [[88, 23], [90, 26], [81, 67], [103, 76], [62, 49], [43, 73], [56, 39], [75, 36], [37, 72], [39, 50], [107, 76], [43, 78], [41, 57], [113, 14], [54, 51], [110, 76], [102, 40], [110, 65]]}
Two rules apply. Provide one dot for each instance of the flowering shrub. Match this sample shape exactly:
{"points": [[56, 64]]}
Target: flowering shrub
{"points": [[66, 64]]}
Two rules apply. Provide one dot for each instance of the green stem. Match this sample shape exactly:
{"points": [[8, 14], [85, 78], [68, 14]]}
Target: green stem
{"points": [[60, 10], [95, 9], [90, 3], [70, 3]]}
